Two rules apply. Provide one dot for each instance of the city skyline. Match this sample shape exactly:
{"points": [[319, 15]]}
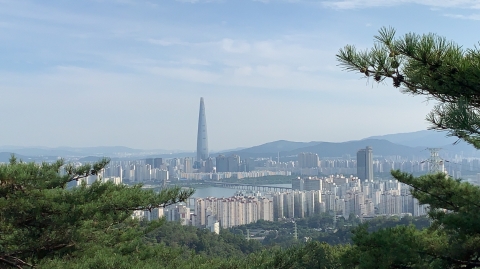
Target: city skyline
{"points": [[130, 72], [425, 138]]}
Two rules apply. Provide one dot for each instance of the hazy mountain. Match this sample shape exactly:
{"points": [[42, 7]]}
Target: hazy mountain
{"points": [[5, 157], [227, 150], [425, 138], [330, 149], [380, 148], [89, 159], [276, 146], [110, 151], [102, 150], [450, 146], [402, 144]]}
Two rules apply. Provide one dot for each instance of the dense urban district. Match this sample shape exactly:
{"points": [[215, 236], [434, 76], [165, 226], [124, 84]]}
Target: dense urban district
{"points": [[309, 212]]}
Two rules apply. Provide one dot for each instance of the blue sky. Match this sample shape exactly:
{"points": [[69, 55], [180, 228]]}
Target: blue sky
{"points": [[131, 73]]}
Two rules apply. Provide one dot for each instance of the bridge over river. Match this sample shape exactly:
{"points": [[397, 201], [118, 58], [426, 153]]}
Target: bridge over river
{"points": [[240, 186]]}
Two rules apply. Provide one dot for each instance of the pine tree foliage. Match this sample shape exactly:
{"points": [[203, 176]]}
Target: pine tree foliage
{"points": [[431, 66], [443, 71], [41, 219]]}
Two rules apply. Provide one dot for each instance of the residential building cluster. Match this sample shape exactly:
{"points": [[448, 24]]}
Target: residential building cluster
{"points": [[213, 213], [232, 211], [307, 164], [346, 196], [160, 171], [336, 195]]}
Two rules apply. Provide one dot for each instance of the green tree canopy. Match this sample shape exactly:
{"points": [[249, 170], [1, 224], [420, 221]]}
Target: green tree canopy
{"points": [[443, 71], [41, 219]]}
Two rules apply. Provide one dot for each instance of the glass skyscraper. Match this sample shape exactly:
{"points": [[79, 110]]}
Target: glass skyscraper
{"points": [[365, 164], [202, 137]]}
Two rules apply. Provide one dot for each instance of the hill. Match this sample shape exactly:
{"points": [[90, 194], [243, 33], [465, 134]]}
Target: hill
{"points": [[401, 144], [276, 146], [424, 138], [329, 149], [450, 146], [380, 148]]}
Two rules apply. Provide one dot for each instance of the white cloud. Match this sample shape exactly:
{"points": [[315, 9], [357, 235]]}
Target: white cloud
{"points": [[199, 1], [309, 68], [194, 61], [243, 71], [351, 4], [273, 71], [166, 42], [188, 1], [235, 46], [474, 17], [186, 74]]}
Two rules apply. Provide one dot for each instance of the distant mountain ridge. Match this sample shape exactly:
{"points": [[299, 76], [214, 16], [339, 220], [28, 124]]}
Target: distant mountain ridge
{"points": [[401, 144], [329, 149], [81, 151], [424, 138], [432, 139], [278, 146]]}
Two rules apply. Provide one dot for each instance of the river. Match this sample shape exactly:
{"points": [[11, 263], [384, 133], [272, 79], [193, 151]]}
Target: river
{"points": [[225, 192]]}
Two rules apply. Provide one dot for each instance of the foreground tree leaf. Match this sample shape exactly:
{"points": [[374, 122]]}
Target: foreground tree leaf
{"points": [[443, 71], [40, 219]]}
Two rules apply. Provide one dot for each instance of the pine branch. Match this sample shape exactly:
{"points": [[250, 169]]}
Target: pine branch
{"points": [[14, 262]]}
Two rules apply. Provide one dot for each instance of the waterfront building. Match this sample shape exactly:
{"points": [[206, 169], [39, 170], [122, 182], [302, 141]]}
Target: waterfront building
{"points": [[297, 184], [312, 184]]}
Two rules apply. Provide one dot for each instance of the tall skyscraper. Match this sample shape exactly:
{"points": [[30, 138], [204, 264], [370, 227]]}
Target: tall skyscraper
{"points": [[202, 138], [365, 164], [221, 163], [157, 162]]}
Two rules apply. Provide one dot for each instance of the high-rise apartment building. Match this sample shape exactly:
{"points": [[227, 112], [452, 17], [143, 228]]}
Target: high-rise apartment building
{"points": [[202, 138], [187, 165], [312, 184], [308, 160], [365, 164], [208, 165], [234, 163], [221, 163], [227, 164]]}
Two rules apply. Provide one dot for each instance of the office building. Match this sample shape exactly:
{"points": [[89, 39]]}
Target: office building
{"points": [[221, 163], [157, 163], [365, 164]]}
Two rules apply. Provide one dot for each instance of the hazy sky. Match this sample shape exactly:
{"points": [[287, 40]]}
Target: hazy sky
{"points": [[131, 72]]}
